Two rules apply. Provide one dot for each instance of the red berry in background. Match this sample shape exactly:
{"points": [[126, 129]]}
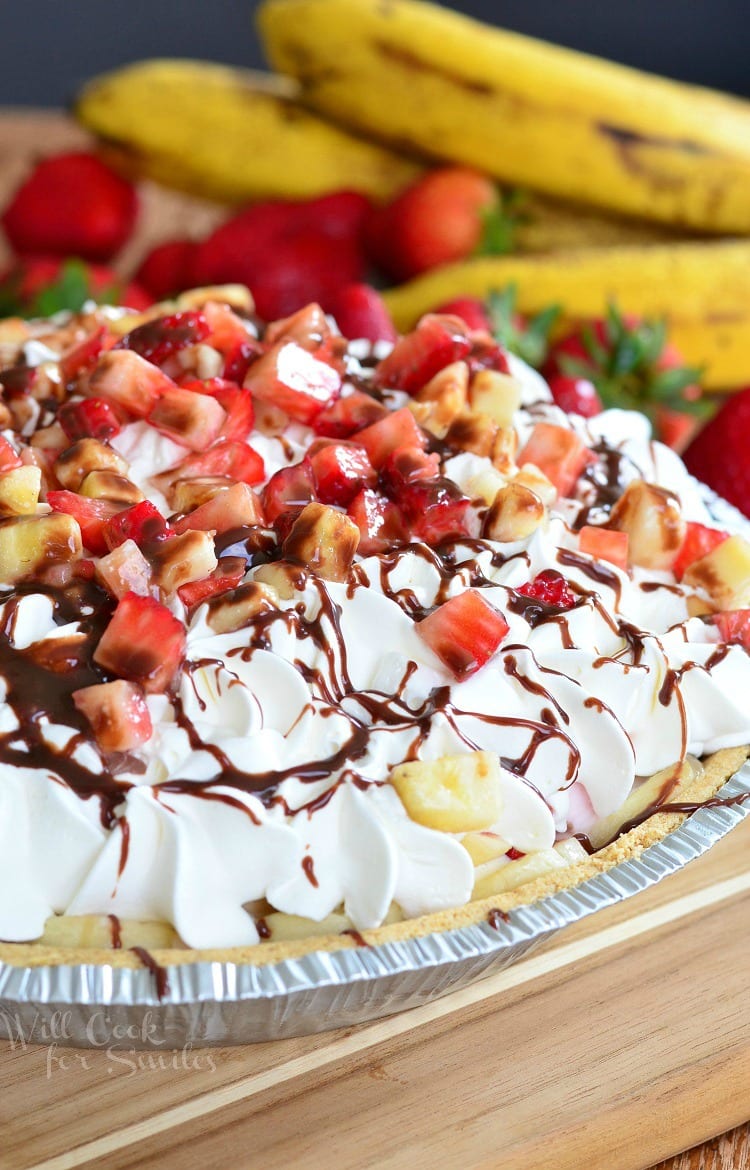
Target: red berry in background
{"points": [[719, 454], [72, 205], [167, 268], [576, 395], [436, 220], [469, 309], [304, 268], [360, 311]]}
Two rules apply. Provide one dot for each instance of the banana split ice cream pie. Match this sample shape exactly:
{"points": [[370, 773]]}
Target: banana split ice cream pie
{"points": [[302, 637]]}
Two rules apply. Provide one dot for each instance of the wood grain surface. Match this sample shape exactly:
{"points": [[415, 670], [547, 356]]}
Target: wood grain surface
{"points": [[623, 1041]]}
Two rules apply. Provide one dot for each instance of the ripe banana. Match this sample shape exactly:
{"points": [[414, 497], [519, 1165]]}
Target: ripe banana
{"points": [[578, 127], [549, 225], [702, 289], [230, 135]]}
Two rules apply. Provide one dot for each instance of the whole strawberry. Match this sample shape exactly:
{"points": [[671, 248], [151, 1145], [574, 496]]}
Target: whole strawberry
{"points": [[449, 213], [167, 268], [71, 205], [38, 286], [718, 455]]}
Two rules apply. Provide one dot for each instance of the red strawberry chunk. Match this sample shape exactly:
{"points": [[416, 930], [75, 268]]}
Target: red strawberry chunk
{"points": [[343, 417], [341, 470], [405, 465], [92, 516], [416, 358], [295, 380], [118, 714], [160, 338], [143, 523], [227, 575], [576, 395], [734, 626], [464, 632], [557, 452], [437, 510], [605, 545], [551, 588], [235, 507], [235, 401], [379, 521], [82, 357], [128, 381], [487, 354], [9, 459], [144, 642], [195, 420], [289, 489], [239, 360], [360, 311], [396, 429], [91, 418], [226, 331], [236, 460], [471, 310], [699, 541]]}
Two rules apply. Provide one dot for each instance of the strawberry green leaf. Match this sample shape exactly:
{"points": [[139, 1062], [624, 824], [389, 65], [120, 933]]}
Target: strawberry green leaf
{"points": [[528, 339], [500, 224]]}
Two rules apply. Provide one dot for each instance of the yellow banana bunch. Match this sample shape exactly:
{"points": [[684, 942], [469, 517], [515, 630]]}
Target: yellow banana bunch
{"points": [[230, 135], [577, 127], [549, 225], [702, 289]]}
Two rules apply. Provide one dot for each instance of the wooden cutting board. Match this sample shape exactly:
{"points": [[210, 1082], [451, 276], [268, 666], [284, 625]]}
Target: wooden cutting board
{"points": [[625, 1040]]}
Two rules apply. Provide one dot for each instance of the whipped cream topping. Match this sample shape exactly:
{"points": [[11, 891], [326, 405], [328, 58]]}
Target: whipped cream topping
{"points": [[267, 775]]}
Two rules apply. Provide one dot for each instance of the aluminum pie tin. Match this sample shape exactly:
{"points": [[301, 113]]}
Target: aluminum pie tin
{"points": [[99, 1006], [221, 1003]]}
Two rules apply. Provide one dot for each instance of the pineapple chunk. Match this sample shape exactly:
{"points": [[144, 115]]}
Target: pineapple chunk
{"points": [[237, 608], [516, 873], [653, 520], [495, 394], [484, 847], [109, 485], [724, 574], [187, 557], [324, 540], [515, 513], [74, 464], [282, 578], [445, 397], [19, 490], [456, 794], [28, 543], [474, 432]]}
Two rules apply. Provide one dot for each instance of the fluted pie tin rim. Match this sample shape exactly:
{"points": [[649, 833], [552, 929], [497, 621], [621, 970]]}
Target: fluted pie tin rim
{"points": [[231, 1003]]}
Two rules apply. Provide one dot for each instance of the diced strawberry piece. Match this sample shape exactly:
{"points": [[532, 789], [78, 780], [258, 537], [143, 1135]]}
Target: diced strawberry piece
{"points": [[343, 417], [236, 460], [128, 381], [405, 465], [160, 338], [487, 354], [396, 429], [124, 570], [9, 459], [437, 510], [91, 418], [290, 488], [471, 310], [195, 420], [295, 380], [226, 331], [464, 632], [417, 357], [605, 544], [308, 327], [144, 642], [118, 714], [576, 395], [341, 470], [235, 400], [81, 358], [166, 269], [92, 516], [734, 626], [379, 522], [227, 575], [239, 360], [143, 523], [551, 588], [557, 452], [236, 507], [699, 541], [360, 311]]}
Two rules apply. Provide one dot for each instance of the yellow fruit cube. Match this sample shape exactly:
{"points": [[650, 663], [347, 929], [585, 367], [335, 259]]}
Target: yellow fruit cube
{"points": [[495, 394], [456, 794], [724, 574], [19, 490]]}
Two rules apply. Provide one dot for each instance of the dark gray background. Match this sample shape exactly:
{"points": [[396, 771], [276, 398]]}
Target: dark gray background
{"points": [[48, 48]]}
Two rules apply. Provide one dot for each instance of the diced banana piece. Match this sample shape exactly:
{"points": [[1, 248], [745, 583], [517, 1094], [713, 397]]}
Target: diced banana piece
{"points": [[653, 520], [86, 455], [445, 398], [516, 873], [484, 847], [495, 394], [665, 784], [515, 513], [456, 794], [324, 540]]}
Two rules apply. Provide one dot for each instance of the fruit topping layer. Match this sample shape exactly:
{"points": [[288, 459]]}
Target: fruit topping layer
{"points": [[295, 627]]}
